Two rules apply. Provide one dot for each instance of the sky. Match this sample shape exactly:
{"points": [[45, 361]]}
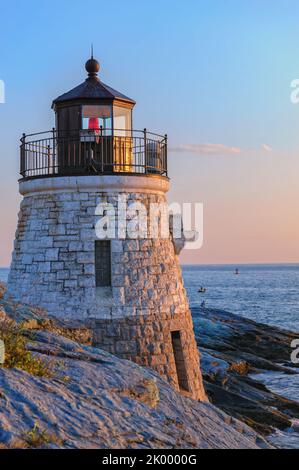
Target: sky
{"points": [[214, 75]]}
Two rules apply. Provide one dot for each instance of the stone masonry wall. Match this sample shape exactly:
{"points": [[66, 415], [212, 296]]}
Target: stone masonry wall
{"points": [[146, 340], [53, 267], [53, 263]]}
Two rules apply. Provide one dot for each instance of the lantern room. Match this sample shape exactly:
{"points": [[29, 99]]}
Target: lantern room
{"points": [[93, 135]]}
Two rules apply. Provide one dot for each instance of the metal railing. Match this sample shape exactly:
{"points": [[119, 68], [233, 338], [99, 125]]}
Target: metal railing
{"points": [[103, 151]]}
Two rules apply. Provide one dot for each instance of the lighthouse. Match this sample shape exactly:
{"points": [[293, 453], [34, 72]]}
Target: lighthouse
{"points": [[126, 287]]}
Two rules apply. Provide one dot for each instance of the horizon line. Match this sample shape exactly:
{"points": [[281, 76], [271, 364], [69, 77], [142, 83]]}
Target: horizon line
{"points": [[272, 263]]}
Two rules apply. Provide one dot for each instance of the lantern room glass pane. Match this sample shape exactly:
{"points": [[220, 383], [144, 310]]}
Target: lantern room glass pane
{"points": [[122, 121], [96, 116]]}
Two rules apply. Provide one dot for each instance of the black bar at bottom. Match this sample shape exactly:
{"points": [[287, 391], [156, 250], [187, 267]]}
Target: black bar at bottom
{"points": [[140, 458]]}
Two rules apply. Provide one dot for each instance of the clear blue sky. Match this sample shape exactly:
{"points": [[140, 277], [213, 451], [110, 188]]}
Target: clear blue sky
{"points": [[214, 72]]}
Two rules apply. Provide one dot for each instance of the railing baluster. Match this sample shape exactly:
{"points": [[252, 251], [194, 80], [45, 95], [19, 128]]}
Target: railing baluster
{"points": [[101, 150], [23, 156], [145, 151], [165, 155]]}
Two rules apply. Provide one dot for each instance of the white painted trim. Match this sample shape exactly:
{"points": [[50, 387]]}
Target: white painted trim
{"points": [[100, 183]]}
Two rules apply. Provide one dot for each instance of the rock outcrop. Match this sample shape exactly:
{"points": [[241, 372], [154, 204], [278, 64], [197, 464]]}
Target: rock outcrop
{"points": [[92, 399], [234, 348]]}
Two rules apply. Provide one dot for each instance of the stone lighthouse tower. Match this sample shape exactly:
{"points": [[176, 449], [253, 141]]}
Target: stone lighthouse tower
{"points": [[127, 288]]}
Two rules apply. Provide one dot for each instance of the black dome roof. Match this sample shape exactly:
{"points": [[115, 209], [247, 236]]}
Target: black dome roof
{"points": [[92, 88]]}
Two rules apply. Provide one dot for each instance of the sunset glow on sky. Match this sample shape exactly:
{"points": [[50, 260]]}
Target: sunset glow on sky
{"points": [[214, 75]]}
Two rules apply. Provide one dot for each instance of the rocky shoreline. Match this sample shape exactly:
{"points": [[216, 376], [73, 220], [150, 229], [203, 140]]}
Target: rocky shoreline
{"points": [[232, 349], [86, 397]]}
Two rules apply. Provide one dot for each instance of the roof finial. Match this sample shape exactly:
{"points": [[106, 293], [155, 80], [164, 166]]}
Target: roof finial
{"points": [[92, 66]]}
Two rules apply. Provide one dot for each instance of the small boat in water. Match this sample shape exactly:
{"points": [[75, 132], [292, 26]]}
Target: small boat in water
{"points": [[202, 290], [237, 271]]}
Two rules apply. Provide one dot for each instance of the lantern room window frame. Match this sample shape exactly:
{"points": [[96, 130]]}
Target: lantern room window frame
{"points": [[94, 111], [114, 130], [72, 112]]}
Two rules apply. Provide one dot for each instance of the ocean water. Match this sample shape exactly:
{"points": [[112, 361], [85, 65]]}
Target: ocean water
{"points": [[287, 386], [265, 293]]}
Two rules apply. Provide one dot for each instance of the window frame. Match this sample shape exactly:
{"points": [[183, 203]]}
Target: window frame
{"points": [[106, 276]]}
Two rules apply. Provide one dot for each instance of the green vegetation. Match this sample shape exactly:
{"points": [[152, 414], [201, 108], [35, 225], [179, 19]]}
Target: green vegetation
{"points": [[16, 353], [38, 438]]}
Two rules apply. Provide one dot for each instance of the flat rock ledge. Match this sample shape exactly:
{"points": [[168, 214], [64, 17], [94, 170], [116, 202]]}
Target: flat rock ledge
{"points": [[96, 400]]}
